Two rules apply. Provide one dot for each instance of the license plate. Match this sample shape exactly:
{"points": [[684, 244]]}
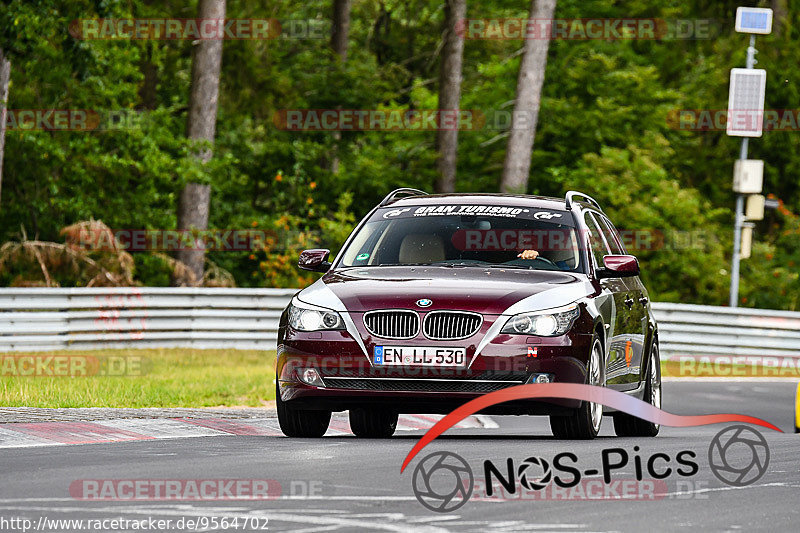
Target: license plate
{"points": [[420, 356]]}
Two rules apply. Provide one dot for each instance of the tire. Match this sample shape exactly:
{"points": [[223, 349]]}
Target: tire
{"points": [[373, 423], [626, 425], [584, 423], [302, 423]]}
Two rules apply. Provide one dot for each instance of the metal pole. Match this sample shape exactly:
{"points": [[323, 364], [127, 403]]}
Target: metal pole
{"points": [[739, 220], [737, 242]]}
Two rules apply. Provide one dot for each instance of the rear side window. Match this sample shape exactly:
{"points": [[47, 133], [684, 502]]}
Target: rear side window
{"points": [[596, 240]]}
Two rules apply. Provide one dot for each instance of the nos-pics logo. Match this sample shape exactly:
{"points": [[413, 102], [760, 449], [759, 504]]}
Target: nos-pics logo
{"points": [[443, 481]]}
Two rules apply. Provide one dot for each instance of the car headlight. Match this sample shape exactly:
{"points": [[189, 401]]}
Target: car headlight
{"points": [[542, 323], [303, 317]]}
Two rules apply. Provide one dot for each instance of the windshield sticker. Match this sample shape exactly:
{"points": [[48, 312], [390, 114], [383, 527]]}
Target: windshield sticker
{"points": [[499, 211], [395, 212], [362, 257], [546, 215], [491, 210]]}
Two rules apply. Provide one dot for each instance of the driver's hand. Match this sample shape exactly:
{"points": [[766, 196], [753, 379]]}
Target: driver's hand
{"points": [[528, 254]]}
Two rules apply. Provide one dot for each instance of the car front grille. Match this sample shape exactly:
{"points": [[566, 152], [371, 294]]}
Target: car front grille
{"points": [[394, 324], [451, 325], [418, 385]]}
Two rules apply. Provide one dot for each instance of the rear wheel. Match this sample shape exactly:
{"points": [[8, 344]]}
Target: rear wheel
{"points": [[626, 425], [300, 422], [585, 422], [372, 422]]}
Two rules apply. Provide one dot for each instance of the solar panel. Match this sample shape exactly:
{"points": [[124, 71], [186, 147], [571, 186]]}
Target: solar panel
{"points": [[754, 20], [746, 102]]}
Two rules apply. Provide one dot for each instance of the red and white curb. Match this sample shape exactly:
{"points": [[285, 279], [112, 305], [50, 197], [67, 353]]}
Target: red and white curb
{"points": [[26, 435]]}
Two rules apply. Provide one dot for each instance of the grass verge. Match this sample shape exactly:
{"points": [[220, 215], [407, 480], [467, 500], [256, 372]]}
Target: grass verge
{"points": [[176, 377]]}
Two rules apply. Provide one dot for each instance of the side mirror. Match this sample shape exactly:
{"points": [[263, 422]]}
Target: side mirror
{"points": [[619, 266], [315, 260]]}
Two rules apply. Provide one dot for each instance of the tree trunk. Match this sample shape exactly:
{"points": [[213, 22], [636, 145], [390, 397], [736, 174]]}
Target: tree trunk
{"points": [[193, 206], [450, 93], [780, 13], [5, 77], [148, 93], [340, 31], [517, 163]]}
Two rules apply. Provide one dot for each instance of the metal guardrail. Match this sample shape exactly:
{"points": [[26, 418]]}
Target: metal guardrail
{"points": [[43, 319], [686, 329], [34, 319]]}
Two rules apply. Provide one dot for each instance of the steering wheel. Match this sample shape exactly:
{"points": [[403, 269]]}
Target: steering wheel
{"points": [[542, 258]]}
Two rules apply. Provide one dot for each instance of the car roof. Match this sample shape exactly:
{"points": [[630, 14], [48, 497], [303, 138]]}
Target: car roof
{"points": [[542, 202]]}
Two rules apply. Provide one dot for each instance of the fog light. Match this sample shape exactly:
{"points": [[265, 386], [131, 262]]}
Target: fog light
{"points": [[541, 378], [311, 377]]}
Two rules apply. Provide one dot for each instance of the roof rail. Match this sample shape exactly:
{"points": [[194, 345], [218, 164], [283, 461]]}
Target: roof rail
{"points": [[400, 193], [572, 194]]}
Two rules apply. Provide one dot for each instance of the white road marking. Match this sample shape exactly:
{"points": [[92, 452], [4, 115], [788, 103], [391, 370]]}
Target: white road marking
{"points": [[487, 422]]}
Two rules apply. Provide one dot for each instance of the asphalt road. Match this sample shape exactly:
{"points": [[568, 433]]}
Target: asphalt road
{"points": [[347, 484]]}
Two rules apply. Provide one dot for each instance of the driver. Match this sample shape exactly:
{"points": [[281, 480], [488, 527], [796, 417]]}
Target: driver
{"points": [[528, 254]]}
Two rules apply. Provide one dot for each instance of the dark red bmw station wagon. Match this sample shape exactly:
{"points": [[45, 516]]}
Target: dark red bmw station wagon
{"points": [[437, 299]]}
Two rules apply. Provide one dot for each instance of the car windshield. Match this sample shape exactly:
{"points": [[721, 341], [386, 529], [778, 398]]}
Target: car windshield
{"points": [[453, 235]]}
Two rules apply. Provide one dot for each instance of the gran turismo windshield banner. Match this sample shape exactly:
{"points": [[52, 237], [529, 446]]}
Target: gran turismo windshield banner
{"points": [[500, 211]]}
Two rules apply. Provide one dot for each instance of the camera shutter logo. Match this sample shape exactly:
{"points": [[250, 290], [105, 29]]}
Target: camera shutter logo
{"points": [[443, 482], [738, 455], [527, 476]]}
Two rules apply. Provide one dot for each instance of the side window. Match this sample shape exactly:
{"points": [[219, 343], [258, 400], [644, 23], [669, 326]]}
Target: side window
{"points": [[612, 236], [598, 244]]}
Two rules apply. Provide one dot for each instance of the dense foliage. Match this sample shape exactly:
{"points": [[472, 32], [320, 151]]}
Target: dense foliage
{"points": [[603, 128]]}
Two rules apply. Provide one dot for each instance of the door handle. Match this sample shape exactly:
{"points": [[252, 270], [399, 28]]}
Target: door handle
{"points": [[629, 302], [643, 301]]}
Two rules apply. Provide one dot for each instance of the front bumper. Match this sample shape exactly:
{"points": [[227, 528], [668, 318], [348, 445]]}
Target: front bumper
{"points": [[350, 379]]}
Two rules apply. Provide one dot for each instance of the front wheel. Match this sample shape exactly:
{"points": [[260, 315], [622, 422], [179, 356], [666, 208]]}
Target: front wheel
{"points": [[585, 422], [626, 425], [300, 422], [373, 423]]}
